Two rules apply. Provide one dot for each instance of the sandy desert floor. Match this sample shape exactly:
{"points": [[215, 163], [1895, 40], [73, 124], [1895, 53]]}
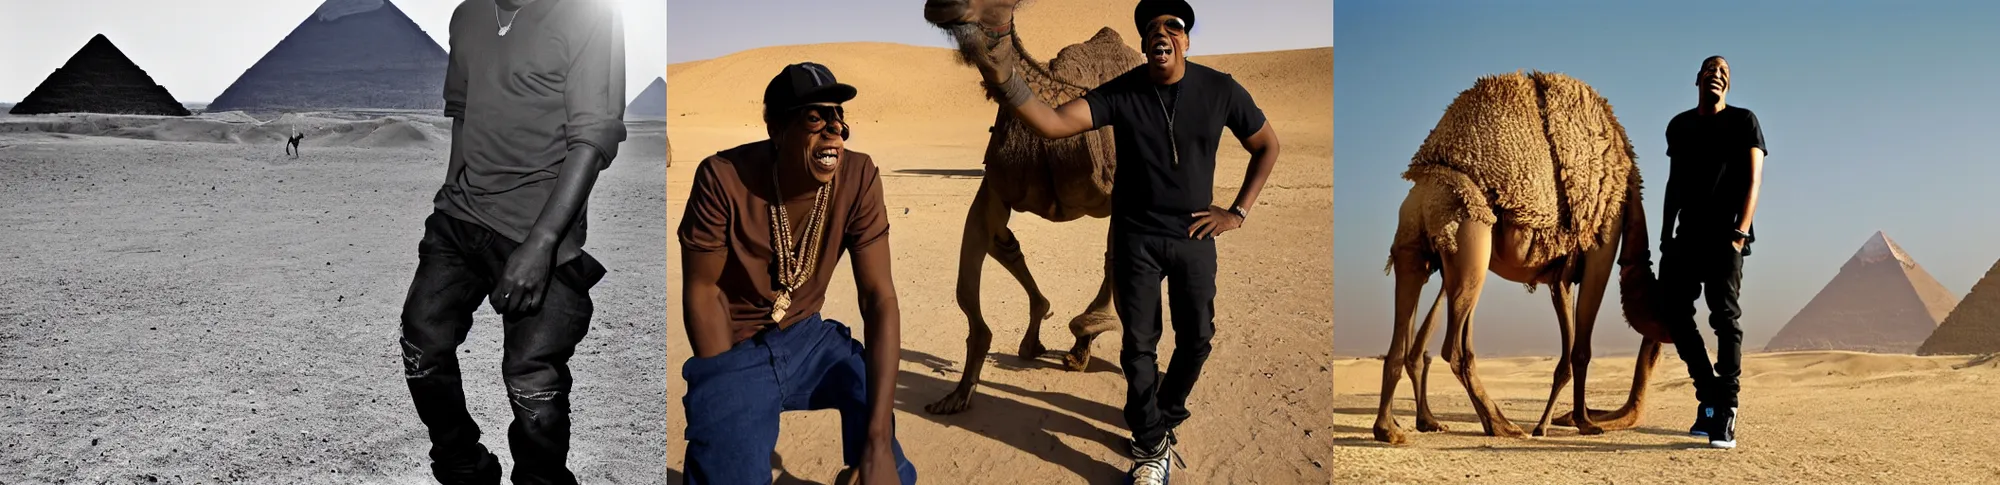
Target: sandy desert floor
{"points": [[1806, 417], [1260, 408], [196, 312]]}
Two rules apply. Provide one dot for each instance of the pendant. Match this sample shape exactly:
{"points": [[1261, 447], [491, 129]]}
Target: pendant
{"points": [[779, 305], [504, 29]]}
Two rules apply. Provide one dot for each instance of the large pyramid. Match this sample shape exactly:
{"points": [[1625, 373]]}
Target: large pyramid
{"points": [[651, 103], [100, 79], [362, 54], [1881, 301], [1974, 326]]}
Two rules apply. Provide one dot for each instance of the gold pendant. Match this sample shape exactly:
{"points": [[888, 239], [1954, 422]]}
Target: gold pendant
{"points": [[778, 306]]}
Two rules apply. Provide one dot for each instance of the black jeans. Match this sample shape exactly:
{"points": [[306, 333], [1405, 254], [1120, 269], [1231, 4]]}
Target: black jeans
{"points": [[1156, 403], [459, 263], [1713, 270]]}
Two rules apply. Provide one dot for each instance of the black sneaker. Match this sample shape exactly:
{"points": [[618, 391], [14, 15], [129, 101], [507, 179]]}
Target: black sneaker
{"points": [[1722, 433], [484, 471], [1702, 416]]}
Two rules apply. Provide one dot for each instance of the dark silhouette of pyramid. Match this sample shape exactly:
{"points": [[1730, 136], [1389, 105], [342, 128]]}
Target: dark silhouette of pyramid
{"points": [[651, 103], [1881, 301], [363, 54], [100, 79], [1974, 325]]}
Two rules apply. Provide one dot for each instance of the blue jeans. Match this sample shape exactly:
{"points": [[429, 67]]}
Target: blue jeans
{"points": [[734, 399]]}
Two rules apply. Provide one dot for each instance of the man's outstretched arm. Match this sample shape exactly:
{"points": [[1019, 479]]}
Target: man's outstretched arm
{"points": [[1021, 101]]}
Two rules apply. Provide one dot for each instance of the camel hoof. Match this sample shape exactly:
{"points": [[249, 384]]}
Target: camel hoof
{"points": [[954, 403], [1431, 426], [1032, 349], [1539, 431], [1589, 430], [1079, 357], [1390, 435], [1564, 420], [1508, 431]]}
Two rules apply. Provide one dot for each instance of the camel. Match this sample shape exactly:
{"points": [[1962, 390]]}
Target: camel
{"points": [[1058, 180], [1532, 178], [292, 144]]}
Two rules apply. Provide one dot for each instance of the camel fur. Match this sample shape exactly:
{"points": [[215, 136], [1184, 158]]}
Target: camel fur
{"points": [[1058, 180], [1530, 177]]}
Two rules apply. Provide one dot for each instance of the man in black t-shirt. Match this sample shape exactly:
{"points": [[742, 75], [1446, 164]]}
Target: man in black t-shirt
{"points": [[1717, 151], [1170, 114]]}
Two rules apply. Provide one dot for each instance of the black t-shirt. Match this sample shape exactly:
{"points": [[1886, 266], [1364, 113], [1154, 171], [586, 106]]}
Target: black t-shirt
{"points": [[1152, 193], [1710, 176]]}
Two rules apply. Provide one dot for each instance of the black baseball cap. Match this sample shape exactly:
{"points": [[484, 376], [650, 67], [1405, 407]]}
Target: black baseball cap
{"points": [[1150, 9], [805, 83]]}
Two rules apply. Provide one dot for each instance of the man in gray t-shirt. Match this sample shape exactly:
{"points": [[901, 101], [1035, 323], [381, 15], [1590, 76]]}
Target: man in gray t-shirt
{"points": [[535, 91]]}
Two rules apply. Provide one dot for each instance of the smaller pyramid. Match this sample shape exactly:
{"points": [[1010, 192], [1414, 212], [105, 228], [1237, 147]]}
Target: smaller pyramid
{"points": [[1881, 301], [1974, 326], [100, 79], [651, 103]]}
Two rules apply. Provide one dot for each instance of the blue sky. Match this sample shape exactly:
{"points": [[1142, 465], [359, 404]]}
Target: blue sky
{"points": [[704, 29], [1878, 116]]}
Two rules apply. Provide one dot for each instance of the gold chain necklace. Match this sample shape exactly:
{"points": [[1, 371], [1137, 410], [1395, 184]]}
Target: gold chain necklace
{"points": [[796, 263]]}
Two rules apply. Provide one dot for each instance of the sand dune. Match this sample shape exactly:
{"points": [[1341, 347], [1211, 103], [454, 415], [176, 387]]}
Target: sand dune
{"points": [[1261, 408], [321, 129], [1806, 417]]}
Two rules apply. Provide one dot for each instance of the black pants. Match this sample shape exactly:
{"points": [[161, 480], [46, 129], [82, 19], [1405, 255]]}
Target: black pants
{"points": [[459, 263], [1156, 403], [1712, 270]]}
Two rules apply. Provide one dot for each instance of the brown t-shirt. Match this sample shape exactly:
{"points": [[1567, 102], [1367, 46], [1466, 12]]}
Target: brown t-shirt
{"points": [[556, 80], [729, 210]]}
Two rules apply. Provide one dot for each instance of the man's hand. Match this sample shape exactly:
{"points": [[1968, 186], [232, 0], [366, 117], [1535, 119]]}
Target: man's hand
{"points": [[1213, 222], [525, 279], [878, 464], [999, 63], [1738, 244]]}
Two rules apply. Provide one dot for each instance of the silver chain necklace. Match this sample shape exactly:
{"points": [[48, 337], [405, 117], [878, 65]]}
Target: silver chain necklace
{"points": [[1170, 120], [510, 18]]}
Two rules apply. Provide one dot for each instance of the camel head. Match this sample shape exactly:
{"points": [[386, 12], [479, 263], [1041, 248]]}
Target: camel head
{"points": [[975, 26]]}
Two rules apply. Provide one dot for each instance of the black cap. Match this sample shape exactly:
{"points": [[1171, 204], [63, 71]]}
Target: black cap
{"points": [[805, 83], [1150, 9]]}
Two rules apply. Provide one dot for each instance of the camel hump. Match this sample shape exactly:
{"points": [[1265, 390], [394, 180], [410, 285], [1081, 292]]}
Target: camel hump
{"points": [[1088, 64]]}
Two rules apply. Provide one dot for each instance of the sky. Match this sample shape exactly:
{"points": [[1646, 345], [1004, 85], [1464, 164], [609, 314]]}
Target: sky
{"points": [[705, 29], [1877, 115], [196, 48]]}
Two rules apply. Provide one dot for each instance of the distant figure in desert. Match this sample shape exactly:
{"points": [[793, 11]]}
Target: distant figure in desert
{"points": [[1717, 151], [1163, 220], [508, 225], [758, 212], [292, 144]]}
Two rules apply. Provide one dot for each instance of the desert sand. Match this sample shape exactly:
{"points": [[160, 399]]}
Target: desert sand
{"points": [[187, 304], [1806, 417], [1260, 409]]}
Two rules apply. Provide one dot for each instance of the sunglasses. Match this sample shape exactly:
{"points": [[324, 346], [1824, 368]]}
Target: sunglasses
{"points": [[831, 120], [1173, 24]]}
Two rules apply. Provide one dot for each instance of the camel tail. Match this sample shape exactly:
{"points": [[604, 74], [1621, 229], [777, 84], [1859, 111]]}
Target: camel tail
{"points": [[1639, 289]]}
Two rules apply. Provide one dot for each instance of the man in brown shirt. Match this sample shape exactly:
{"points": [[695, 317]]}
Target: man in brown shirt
{"points": [[765, 226], [535, 91]]}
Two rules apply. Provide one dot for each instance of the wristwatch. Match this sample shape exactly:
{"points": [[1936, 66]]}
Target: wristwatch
{"points": [[1240, 213], [1745, 236]]}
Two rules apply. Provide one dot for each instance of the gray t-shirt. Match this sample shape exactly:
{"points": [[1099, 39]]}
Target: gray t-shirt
{"points": [[557, 79]]}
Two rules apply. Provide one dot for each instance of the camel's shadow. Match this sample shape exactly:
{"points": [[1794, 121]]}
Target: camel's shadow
{"points": [[1467, 424], [997, 416]]}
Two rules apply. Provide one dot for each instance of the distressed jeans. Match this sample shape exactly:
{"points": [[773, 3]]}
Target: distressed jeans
{"points": [[734, 399], [459, 264]]}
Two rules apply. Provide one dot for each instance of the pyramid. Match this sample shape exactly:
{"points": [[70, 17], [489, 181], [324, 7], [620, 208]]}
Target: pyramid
{"points": [[1881, 301], [361, 54], [100, 79], [1974, 326], [651, 103]]}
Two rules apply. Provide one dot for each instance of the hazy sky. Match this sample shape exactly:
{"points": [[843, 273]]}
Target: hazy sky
{"points": [[705, 29], [1878, 115], [196, 48]]}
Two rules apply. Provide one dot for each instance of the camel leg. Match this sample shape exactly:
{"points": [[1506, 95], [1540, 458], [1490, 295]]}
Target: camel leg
{"points": [[1420, 375], [1096, 319], [1410, 276], [1559, 293], [1597, 268], [1464, 277], [1007, 250], [1628, 416], [972, 250]]}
